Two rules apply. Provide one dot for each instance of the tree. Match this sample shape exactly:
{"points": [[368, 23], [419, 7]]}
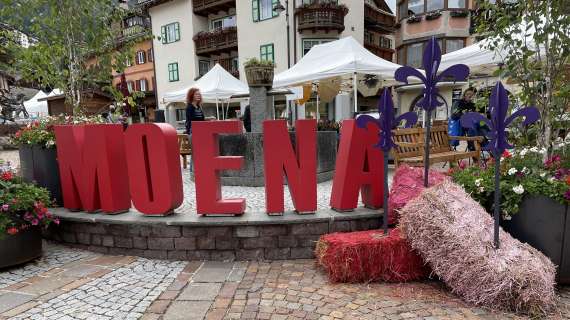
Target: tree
{"points": [[74, 43], [533, 37]]}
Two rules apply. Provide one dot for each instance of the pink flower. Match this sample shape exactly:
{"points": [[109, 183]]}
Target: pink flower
{"points": [[35, 222], [28, 216], [5, 207], [56, 221]]}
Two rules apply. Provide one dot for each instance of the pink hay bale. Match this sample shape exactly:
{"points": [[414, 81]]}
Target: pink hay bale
{"points": [[408, 182], [454, 235], [365, 256]]}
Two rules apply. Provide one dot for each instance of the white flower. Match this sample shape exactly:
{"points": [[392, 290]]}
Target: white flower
{"points": [[512, 171], [524, 152], [534, 149], [543, 150], [507, 217], [481, 189], [518, 189], [478, 182], [551, 179], [525, 170], [542, 175]]}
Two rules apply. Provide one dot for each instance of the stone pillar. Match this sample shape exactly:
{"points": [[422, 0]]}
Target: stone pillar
{"points": [[260, 107]]}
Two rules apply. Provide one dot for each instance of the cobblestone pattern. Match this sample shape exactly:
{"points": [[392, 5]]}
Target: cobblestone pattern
{"points": [[53, 257], [119, 287], [254, 242]]}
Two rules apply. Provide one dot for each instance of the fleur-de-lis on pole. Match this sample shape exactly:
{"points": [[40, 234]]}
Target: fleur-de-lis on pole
{"points": [[386, 123], [497, 135], [430, 101]]}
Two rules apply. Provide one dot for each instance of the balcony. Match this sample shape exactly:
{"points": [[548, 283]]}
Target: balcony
{"points": [[378, 20], [206, 7], [229, 65], [150, 3], [321, 16], [216, 41], [133, 32], [381, 50]]}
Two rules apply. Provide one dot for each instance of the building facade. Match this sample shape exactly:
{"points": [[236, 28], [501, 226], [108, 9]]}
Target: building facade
{"points": [[191, 36]]}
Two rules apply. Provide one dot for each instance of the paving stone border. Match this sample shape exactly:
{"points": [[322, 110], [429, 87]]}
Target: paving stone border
{"points": [[267, 239]]}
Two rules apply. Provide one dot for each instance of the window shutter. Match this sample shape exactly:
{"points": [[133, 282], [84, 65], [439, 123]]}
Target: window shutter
{"points": [[255, 10], [149, 55], [137, 62], [163, 34], [143, 53], [177, 31], [137, 85], [273, 4]]}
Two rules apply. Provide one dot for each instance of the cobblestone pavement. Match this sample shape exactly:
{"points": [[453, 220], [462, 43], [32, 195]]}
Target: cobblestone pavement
{"points": [[94, 286]]}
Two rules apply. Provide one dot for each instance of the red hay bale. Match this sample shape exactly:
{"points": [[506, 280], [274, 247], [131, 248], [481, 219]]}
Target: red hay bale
{"points": [[454, 235], [407, 184], [365, 256]]}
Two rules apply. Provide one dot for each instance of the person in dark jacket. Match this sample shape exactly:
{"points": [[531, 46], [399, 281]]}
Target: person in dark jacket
{"points": [[462, 106], [247, 119], [193, 109]]}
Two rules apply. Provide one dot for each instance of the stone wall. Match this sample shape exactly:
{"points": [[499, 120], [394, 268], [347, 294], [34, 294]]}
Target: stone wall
{"points": [[238, 242]]}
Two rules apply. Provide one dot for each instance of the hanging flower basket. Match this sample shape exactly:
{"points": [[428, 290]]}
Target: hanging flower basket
{"points": [[259, 73]]}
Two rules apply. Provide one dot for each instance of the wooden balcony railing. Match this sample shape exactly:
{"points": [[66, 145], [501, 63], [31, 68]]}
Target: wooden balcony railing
{"points": [[321, 16], [228, 64], [205, 7], [375, 16], [216, 42], [133, 32], [384, 53]]}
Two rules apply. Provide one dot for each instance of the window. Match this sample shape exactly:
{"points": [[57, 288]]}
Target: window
{"points": [[263, 9], [180, 114], [456, 4], [368, 37], [170, 33], [141, 57], [266, 52], [150, 55], [203, 67], [414, 55], [385, 43], [128, 63], [453, 45], [403, 9], [235, 63], [130, 86], [415, 6], [229, 21], [434, 5], [143, 85], [173, 72], [309, 43]]}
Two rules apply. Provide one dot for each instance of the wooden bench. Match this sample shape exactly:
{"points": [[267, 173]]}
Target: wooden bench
{"points": [[185, 148], [411, 146]]}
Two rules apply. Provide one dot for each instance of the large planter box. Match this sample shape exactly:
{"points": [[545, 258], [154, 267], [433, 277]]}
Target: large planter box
{"points": [[39, 165], [544, 224], [259, 76], [21, 247]]}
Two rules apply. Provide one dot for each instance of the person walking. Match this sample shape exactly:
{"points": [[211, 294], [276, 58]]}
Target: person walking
{"points": [[193, 113], [247, 119]]}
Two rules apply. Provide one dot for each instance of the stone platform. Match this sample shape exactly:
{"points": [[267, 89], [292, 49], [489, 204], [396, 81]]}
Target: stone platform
{"points": [[188, 236]]}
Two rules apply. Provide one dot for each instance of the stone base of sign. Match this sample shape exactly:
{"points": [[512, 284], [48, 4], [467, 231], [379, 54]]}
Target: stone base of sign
{"points": [[183, 236], [250, 146]]}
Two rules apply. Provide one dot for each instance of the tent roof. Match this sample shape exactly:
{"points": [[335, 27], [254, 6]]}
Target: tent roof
{"points": [[332, 59], [33, 105], [476, 57], [217, 84]]}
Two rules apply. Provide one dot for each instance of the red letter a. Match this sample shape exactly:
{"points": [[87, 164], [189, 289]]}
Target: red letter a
{"points": [[208, 163], [93, 167], [359, 165], [300, 169]]}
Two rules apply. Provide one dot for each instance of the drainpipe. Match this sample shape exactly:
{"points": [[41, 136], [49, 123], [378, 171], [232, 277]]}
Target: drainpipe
{"points": [[154, 69]]}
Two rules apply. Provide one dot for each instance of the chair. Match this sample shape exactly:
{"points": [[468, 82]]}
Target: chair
{"points": [[185, 149]]}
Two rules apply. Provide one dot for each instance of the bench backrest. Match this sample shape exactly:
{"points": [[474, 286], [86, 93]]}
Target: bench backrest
{"points": [[439, 141]]}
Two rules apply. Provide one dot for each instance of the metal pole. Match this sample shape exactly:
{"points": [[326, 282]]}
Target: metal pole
{"points": [[217, 110], [386, 215], [426, 150], [497, 197], [354, 84], [288, 34], [318, 103]]}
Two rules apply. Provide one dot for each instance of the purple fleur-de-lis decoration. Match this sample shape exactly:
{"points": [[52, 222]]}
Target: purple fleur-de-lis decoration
{"points": [[386, 123], [430, 93], [497, 135]]}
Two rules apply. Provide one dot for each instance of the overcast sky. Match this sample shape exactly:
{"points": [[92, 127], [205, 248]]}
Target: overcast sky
{"points": [[392, 4]]}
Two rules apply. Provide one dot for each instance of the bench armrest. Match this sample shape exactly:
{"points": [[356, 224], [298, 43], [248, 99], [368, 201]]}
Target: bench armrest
{"points": [[463, 138]]}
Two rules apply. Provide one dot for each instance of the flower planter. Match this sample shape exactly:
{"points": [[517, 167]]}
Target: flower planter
{"points": [[21, 247], [259, 76], [459, 13], [544, 224], [39, 165]]}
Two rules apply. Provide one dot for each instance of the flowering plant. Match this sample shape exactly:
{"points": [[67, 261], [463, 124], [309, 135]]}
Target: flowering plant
{"points": [[523, 172], [41, 132], [22, 205]]}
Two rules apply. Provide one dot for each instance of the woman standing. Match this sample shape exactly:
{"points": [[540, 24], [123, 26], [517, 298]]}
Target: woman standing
{"points": [[193, 109]]}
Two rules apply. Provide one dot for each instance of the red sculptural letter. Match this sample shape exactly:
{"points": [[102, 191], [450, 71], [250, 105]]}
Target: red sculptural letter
{"points": [[208, 163], [93, 167], [359, 166], [300, 167], [154, 168]]}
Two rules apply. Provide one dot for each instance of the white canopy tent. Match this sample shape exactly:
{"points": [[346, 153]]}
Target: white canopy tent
{"points": [[476, 57], [335, 59], [216, 86], [37, 108]]}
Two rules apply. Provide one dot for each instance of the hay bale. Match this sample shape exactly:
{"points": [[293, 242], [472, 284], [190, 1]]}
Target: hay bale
{"points": [[408, 183], [454, 235], [365, 256]]}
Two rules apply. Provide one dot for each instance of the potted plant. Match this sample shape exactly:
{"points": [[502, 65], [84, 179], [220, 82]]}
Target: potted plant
{"points": [[433, 15], [38, 156], [535, 199], [259, 73], [414, 19], [23, 212]]}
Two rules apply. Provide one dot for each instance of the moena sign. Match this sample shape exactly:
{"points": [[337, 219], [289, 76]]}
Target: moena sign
{"points": [[104, 168]]}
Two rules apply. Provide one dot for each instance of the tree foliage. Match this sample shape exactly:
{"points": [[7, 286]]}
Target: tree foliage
{"points": [[74, 48], [534, 38]]}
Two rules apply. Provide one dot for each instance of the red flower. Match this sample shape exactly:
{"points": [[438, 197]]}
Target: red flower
{"points": [[18, 134], [7, 176], [12, 231], [568, 179], [506, 154]]}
